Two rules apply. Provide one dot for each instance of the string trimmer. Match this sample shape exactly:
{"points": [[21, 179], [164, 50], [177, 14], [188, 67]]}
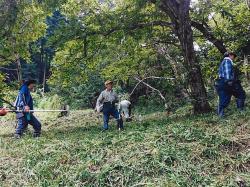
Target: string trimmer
{"points": [[64, 111]]}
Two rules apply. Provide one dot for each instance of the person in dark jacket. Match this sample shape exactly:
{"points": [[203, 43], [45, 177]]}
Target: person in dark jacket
{"points": [[229, 85], [106, 103], [24, 103]]}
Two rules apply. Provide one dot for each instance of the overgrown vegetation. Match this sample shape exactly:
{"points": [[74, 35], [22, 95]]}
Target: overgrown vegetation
{"points": [[157, 149]]}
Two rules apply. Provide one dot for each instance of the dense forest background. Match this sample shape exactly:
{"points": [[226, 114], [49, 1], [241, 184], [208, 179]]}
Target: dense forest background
{"points": [[71, 47]]}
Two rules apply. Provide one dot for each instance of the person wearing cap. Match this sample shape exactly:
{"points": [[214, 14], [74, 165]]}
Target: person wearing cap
{"points": [[24, 103], [228, 84], [106, 103]]}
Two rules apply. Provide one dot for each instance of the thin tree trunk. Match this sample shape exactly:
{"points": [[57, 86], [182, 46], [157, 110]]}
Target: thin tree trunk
{"points": [[19, 69], [44, 66], [246, 63], [85, 49], [44, 77], [177, 69]]}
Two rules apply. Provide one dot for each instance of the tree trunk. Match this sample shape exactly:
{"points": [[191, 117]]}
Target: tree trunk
{"points": [[179, 15], [246, 63], [44, 77], [43, 62], [19, 69]]}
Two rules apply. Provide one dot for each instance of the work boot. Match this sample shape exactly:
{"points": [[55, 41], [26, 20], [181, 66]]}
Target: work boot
{"points": [[120, 124], [17, 136], [240, 104], [120, 129]]}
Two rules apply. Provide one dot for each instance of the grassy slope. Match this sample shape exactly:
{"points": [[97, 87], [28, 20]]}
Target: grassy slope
{"points": [[162, 150]]}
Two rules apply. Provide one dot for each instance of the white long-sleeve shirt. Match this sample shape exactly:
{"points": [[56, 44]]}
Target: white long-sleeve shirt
{"points": [[106, 96]]}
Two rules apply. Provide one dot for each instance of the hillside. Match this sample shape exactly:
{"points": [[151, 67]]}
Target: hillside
{"points": [[160, 150]]}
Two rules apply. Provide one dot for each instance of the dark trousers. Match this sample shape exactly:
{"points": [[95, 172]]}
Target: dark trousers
{"points": [[22, 124], [109, 109], [225, 93]]}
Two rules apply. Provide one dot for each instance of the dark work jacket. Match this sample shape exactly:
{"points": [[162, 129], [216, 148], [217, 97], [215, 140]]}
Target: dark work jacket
{"points": [[24, 98]]}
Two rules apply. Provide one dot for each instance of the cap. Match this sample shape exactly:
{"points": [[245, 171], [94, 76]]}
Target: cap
{"points": [[29, 81], [108, 82], [227, 54]]}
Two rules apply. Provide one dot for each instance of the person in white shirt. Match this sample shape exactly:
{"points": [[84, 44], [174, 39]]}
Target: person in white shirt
{"points": [[125, 108], [106, 103]]}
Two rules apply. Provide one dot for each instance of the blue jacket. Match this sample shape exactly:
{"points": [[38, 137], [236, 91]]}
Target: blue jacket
{"points": [[226, 70], [24, 98]]}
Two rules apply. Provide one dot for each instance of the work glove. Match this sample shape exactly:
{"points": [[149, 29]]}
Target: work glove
{"points": [[3, 111], [26, 109], [99, 108]]}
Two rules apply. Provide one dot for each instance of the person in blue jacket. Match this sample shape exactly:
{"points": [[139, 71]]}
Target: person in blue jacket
{"points": [[229, 85], [24, 103]]}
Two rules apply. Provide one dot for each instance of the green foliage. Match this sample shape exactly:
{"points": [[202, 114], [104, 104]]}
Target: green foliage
{"points": [[29, 26], [229, 22], [105, 47], [2, 86]]}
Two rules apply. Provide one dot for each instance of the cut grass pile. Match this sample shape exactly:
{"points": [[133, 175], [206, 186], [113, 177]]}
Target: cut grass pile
{"points": [[161, 150]]}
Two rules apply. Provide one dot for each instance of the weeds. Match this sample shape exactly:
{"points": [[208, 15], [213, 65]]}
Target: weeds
{"points": [[161, 150]]}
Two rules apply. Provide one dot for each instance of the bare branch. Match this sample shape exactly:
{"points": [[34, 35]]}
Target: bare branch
{"points": [[206, 31], [154, 89], [150, 77], [146, 84]]}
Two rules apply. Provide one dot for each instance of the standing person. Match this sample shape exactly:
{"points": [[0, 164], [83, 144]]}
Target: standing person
{"points": [[228, 85], [106, 102], [24, 102]]}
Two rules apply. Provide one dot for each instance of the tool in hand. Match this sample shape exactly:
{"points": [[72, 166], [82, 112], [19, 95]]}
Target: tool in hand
{"points": [[65, 111]]}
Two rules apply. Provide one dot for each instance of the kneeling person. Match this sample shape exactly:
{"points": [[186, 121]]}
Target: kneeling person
{"points": [[24, 102], [125, 108], [108, 98]]}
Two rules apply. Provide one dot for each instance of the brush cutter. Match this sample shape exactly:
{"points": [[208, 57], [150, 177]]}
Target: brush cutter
{"points": [[64, 111]]}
